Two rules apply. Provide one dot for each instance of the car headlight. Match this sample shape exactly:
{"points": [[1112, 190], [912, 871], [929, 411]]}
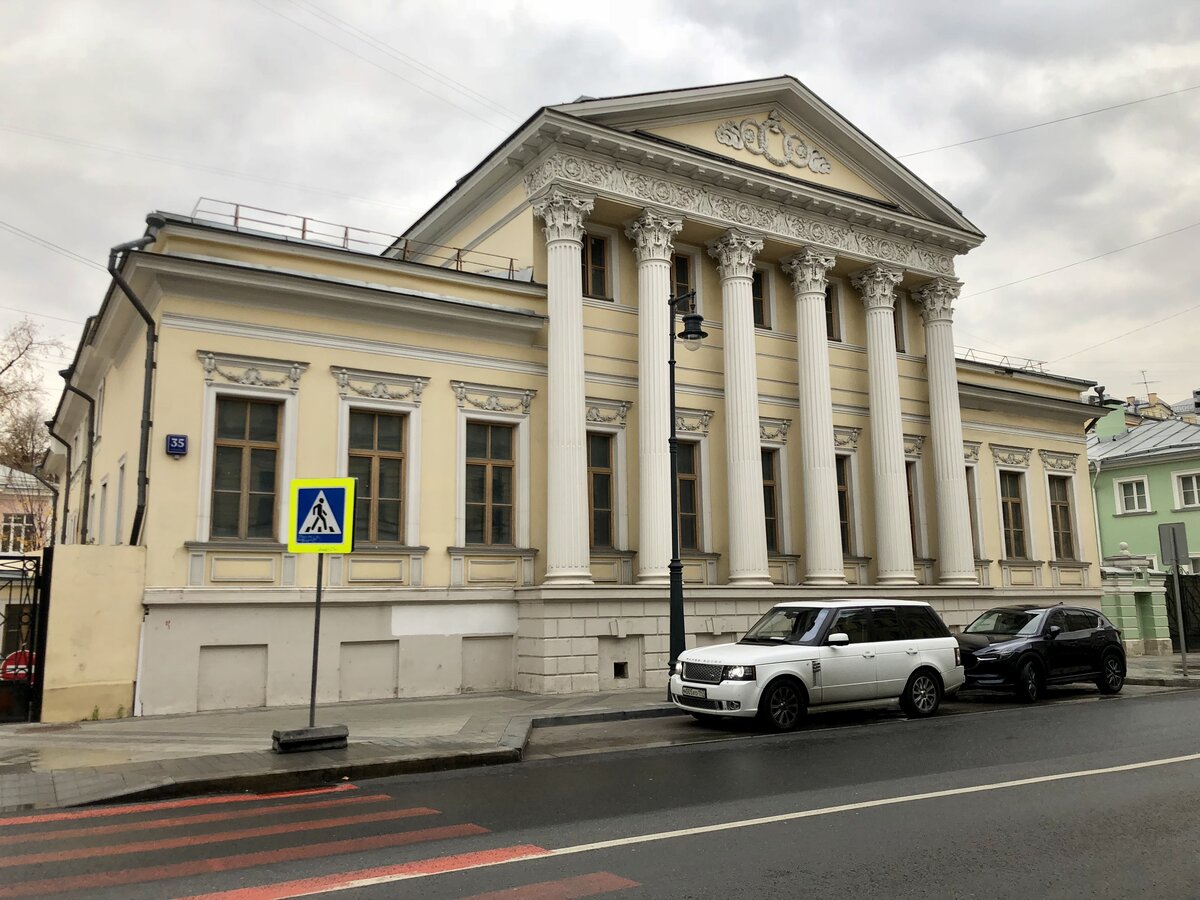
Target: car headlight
{"points": [[738, 673], [678, 670], [998, 654]]}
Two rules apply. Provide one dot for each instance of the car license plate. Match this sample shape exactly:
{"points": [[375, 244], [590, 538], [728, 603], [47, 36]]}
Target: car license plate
{"points": [[695, 692]]}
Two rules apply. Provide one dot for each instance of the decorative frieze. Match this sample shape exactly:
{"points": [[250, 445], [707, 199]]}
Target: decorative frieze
{"points": [[1059, 462], [378, 385], [251, 370], [971, 451], [913, 443], [845, 438], [652, 234], [877, 285], [735, 253], [1011, 456], [757, 138], [681, 197], [693, 421], [490, 398], [809, 269], [564, 214], [774, 430], [937, 299], [606, 412]]}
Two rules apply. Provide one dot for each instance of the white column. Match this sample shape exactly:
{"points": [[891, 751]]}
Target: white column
{"points": [[956, 555], [568, 559], [893, 538], [822, 523], [735, 254], [652, 234]]}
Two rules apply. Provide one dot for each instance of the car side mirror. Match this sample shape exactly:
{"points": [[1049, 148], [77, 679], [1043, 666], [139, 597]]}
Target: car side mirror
{"points": [[838, 639], [1052, 631]]}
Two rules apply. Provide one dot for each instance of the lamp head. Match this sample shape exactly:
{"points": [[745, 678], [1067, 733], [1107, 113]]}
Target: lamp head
{"points": [[692, 334]]}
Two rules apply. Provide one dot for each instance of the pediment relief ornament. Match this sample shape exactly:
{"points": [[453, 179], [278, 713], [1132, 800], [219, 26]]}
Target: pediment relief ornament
{"points": [[971, 451], [683, 198], [490, 398], [251, 370], [1011, 456], [1060, 462], [378, 385], [759, 138], [693, 421], [607, 412], [913, 443], [773, 429], [846, 437]]}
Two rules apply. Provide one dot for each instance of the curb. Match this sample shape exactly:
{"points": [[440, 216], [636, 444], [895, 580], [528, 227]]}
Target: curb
{"points": [[1182, 681]]}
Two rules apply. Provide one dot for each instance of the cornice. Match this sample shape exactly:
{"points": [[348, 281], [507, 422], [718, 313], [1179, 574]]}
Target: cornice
{"points": [[774, 212], [992, 399]]}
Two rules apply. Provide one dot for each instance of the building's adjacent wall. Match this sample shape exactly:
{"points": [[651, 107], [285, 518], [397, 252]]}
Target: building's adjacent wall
{"points": [[1140, 530]]}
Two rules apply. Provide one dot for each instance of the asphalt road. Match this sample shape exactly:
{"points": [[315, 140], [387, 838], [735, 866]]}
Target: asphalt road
{"points": [[1079, 796]]}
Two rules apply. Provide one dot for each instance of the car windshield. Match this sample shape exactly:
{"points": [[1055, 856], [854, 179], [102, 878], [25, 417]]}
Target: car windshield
{"points": [[793, 625], [1013, 622]]}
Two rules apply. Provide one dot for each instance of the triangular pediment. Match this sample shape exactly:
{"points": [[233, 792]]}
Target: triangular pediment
{"points": [[774, 125]]}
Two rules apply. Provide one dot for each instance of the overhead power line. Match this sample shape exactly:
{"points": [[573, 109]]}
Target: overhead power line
{"points": [[1090, 112], [53, 248], [1128, 332]]}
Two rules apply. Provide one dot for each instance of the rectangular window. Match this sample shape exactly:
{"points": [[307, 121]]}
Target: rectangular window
{"points": [[845, 505], [120, 515], [681, 277], [17, 532], [102, 530], [600, 489], [689, 496], [833, 317], [595, 267], [1060, 517], [245, 468], [1189, 490], [898, 321], [490, 477], [377, 461], [910, 478], [770, 471], [973, 509], [758, 291], [1132, 496], [1012, 505]]}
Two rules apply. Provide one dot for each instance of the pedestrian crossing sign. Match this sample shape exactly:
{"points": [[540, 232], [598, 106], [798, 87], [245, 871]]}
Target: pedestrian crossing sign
{"points": [[322, 519]]}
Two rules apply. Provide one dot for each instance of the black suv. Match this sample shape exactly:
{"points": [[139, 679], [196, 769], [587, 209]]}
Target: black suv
{"points": [[1024, 648]]}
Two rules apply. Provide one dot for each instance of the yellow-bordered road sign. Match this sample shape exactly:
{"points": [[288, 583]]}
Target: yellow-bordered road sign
{"points": [[322, 519]]}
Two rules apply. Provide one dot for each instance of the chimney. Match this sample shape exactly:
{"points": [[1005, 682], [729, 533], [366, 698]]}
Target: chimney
{"points": [[1153, 398], [1131, 401]]}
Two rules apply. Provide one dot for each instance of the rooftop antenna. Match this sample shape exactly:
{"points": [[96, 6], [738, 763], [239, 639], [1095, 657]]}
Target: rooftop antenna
{"points": [[1147, 383]]}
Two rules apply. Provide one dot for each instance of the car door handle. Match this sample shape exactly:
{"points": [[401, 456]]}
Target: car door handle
{"points": [[911, 651], [868, 654]]}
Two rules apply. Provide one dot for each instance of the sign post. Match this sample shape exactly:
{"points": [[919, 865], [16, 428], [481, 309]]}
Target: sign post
{"points": [[1172, 541], [322, 521]]}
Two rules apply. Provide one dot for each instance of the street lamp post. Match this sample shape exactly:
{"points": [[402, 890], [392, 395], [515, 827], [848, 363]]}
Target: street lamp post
{"points": [[691, 336]]}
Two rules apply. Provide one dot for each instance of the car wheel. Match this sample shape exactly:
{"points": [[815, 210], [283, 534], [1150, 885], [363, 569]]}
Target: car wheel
{"points": [[1112, 674], [782, 706], [1030, 682], [922, 695]]}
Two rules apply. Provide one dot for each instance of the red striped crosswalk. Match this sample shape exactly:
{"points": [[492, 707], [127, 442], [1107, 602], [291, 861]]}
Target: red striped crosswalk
{"points": [[170, 848]]}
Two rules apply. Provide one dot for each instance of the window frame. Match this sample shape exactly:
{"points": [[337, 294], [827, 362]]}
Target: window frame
{"points": [[119, 503], [1177, 483], [1119, 495], [914, 478], [972, 478], [776, 497], [612, 270], [285, 465], [521, 476], [1072, 518], [854, 525], [245, 444], [697, 477], [834, 326], [1023, 498], [376, 456], [900, 320], [27, 528], [611, 471], [768, 297], [411, 475], [616, 432]]}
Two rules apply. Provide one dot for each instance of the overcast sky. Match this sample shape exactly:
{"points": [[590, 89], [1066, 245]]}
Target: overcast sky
{"points": [[365, 112]]}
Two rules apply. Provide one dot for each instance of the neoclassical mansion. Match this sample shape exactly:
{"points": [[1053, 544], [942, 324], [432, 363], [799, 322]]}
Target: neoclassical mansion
{"points": [[496, 379]]}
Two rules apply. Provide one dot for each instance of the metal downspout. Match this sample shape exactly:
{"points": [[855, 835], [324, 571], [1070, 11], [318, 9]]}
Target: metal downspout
{"points": [[115, 258], [85, 503], [53, 503], [67, 491]]}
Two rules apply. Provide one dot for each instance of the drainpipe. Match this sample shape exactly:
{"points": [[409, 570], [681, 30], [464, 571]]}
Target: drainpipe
{"points": [[1094, 465], [85, 503], [115, 259], [67, 487], [53, 503]]}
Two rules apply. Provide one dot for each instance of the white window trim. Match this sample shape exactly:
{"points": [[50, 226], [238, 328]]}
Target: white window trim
{"points": [[858, 549], [696, 255], [977, 542], [1073, 502], [1177, 484], [706, 538], [621, 538], [412, 454], [521, 488], [769, 306], [1118, 495], [287, 452], [615, 248], [119, 511], [1030, 535], [782, 493], [921, 549], [900, 318], [837, 288]]}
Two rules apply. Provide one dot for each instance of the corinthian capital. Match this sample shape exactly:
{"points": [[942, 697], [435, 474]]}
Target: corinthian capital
{"points": [[564, 214], [877, 285], [653, 234], [735, 253], [808, 269], [937, 300]]}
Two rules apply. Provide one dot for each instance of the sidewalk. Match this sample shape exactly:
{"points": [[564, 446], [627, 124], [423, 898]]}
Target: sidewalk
{"points": [[46, 766]]}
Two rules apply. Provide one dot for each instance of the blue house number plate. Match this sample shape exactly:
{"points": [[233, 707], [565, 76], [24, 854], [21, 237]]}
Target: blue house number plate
{"points": [[177, 444]]}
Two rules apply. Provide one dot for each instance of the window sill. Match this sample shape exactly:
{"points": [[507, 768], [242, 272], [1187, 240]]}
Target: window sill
{"points": [[248, 545], [491, 550], [1135, 512], [1185, 509], [1021, 561], [612, 551], [388, 548], [1070, 563]]}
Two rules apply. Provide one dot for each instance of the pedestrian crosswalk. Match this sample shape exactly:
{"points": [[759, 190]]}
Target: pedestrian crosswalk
{"points": [[263, 847]]}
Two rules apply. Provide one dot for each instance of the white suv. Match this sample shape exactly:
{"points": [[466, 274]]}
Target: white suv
{"points": [[810, 653]]}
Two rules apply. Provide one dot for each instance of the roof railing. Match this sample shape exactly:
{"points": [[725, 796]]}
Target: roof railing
{"points": [[1019, 363]]}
